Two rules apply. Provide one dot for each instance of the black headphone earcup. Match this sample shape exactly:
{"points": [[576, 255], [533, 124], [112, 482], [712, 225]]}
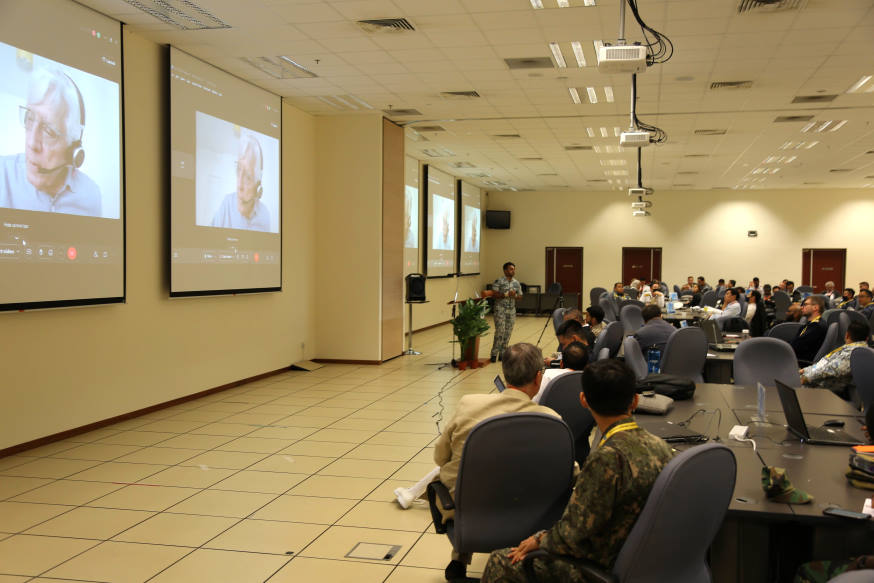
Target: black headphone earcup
{"points": [[77, 157]]}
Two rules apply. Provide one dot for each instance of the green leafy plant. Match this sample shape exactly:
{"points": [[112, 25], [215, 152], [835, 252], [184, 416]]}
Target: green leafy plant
{"points": [[470, 322]]}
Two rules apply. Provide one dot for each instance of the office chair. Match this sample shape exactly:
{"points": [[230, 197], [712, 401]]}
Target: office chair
{"points": [[562, 395], [685, 354], [761, 360], [515, 478], [611, 339], [682, 515], [631, 319], [708, 298], [609, 308], [862, 369], [832, 340], [595, 295], [634, 357], [781, 303], [785, 331]]}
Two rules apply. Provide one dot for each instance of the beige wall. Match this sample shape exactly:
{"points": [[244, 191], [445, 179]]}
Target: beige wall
{"points": [[348, 161], [66, 368], [701, 233]]}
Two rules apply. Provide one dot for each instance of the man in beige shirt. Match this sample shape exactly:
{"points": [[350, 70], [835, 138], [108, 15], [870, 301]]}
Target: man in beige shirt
{"points": [[522, 365]]}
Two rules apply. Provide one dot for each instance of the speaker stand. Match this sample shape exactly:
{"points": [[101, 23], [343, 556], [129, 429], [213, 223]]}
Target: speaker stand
{"points": [[409, 351]]}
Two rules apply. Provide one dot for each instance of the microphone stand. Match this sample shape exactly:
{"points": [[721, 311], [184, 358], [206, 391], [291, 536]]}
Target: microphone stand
{"points": [[559, 302]]}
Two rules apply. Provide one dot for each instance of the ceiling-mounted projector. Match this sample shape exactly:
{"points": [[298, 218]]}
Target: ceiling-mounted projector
{"points": [[634, 138], [640, 213], [621, 59], [640, 191]]}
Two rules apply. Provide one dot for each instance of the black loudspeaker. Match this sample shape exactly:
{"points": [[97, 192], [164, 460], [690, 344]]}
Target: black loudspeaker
{"points": [[415, 287]]}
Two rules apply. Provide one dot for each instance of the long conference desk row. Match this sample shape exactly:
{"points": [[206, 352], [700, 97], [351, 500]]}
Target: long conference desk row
{"points": [[763, 540]]}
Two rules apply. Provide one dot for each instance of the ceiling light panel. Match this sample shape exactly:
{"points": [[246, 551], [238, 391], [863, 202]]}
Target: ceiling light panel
{"points": [[556, 53]]}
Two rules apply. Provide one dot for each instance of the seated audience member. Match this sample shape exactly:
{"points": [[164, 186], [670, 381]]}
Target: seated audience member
{"points": [[732, 283], [657, 295], [832, 371], [848, 299], [793, 312], [730, 305], [864, 285], [810, 336], [766, 292], [619, 291], [830, 293], [695, 299], [522, 365], [572, 331], [720, 286], [754, 285], [655, 331], [610, 491], [864, 305], [793, 293], [574, 314], [689, 281], [595, 320], [574, 356], [703, 286], [756, 317]]}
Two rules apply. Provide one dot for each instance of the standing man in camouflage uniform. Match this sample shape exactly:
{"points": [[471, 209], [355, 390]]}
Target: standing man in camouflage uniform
{"points": [[505, 291], [610, 491]]}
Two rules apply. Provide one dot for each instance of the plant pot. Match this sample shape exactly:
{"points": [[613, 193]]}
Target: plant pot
{"points": [[470, 349]]}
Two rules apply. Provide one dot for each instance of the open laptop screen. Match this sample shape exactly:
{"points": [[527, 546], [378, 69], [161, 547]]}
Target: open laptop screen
{"points": [[792, 409]]}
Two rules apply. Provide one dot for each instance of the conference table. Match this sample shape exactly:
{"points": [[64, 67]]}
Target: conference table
{"points": [[763, 540]]}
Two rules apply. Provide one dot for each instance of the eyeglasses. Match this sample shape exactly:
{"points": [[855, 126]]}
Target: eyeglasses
{"points": [[29, 119]]}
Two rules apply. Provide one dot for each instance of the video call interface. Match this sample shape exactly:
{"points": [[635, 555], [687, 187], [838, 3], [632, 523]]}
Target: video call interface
{"points": [[61, 183], [225, 189]]}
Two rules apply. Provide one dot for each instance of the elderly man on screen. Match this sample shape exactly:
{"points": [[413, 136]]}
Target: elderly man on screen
{"points": [[46, 177], [243, 209]]}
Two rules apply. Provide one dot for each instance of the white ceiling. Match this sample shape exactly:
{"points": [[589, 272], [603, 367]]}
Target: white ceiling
{"points": [[821, 48]]}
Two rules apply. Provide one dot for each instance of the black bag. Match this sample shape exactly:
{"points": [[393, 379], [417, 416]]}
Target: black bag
{"points": [[670, 385]]}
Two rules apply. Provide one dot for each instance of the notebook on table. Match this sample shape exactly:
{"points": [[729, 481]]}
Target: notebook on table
{"points": [[806, 433]]}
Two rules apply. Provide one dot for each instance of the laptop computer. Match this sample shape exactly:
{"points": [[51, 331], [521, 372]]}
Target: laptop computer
{"points": [[715, 337], [806, 433], [673, 433]]}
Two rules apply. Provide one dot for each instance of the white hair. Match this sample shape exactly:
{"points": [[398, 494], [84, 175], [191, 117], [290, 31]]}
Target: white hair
{"points": [[249, 148], [54, 87]]}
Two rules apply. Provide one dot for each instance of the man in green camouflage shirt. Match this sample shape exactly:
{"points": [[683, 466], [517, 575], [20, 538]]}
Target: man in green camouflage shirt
{"points": [[610, 491]]}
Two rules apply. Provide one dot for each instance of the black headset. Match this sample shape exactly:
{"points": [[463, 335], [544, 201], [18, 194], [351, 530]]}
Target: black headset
{"points": [[77, 152]]}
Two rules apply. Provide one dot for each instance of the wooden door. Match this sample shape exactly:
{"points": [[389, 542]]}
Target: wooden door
{"points": [[643, 263], [565, 266], [821, 265]]}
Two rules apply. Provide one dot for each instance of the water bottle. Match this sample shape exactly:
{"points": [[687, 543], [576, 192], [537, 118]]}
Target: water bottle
{"points": [[653, 360]]}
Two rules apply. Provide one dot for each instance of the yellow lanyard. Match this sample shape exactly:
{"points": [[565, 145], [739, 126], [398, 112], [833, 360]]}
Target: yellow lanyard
{"points": [[627, 426]]}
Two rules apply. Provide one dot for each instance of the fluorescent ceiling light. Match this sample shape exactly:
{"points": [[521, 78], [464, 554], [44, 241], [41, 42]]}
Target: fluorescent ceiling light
{"points": [[593, 97], [575, 95], [810, 145], [588, 2], [860, 83], [563, 3], [838, 125], [608, 93], [556, 52], [591, 132], [329, 102], [577, 47], [604, 132], [617, 131], [808, 127], [790, 159], [346, 103], [360, 101], [536, 4], [824, 126]]}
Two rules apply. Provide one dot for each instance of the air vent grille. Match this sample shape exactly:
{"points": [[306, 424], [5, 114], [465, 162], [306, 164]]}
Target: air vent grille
{"points": [[182, 14], [401, 112], [730, 85], [430, 129], [462, 165], [577, 148], [530, 63], [506, 136], [438, 152], [382, 25], [839, 170], [814, 98], [746, 6], [710, 132], [532, 159], [791, 118], [459, 94]]}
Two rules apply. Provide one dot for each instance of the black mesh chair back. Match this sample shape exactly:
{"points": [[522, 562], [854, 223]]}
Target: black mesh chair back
{"points": [[515, 478], [611, 339], [785, 331], [562, 395], [781, 303], [609, 307], [832, 340], [708, 298], [862, 368], [595, 295], [631, 319]]}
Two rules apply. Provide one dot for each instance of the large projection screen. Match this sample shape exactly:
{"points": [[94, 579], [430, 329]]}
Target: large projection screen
{"points": [[61, 169], [440, 236], [412, 219], [471, 229], [225, 209]]}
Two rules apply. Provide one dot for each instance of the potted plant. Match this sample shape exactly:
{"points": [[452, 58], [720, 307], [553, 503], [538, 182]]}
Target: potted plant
{"points": [[468, 325]]}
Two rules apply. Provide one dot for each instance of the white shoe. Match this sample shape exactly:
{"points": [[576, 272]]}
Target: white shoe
{"points": [[404, 498]]}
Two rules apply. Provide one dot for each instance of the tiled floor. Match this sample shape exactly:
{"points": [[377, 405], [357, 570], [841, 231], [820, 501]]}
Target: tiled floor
{"points": [[273, 481]]}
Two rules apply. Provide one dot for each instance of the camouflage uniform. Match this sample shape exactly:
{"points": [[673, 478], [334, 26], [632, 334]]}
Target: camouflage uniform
{"points": [[609, 494], [505, 314]]}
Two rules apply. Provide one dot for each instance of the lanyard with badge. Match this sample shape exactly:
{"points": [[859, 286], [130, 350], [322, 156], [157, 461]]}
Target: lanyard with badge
{"points": [[627, 426]]}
